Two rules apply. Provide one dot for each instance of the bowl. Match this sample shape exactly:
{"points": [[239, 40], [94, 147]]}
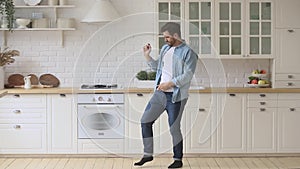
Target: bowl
{"points": [[22, 22]]}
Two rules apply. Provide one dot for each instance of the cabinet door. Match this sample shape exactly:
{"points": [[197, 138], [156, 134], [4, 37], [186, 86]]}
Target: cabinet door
{"points": [[230, 27], [23, 138], [262, 131], [259, 35], [288, 126], [200, 23], [62, 128], [288, 51], [287, 13], [232, 123], [135, 105]]}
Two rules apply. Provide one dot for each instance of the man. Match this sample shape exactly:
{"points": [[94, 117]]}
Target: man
{"points": [[175, 68]]}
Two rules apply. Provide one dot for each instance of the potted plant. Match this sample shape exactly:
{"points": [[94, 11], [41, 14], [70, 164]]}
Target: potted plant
{"points": [[6, 58], [7, 10], [145, 79]]}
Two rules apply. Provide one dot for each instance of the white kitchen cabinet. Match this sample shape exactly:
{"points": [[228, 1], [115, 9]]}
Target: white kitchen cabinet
{"points": [[244, 28], [288, 123], [200, 130], [62, 123], [231, 122], [262, 123], [135, 106], [287, 72], [23, 123], [287, 14], [101, 146]]}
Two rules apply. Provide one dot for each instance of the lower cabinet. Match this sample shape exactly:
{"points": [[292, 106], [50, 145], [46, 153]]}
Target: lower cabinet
{"points": [[136, 103], [199, 126], [101, 146], [289, 123], [23, 124], [231, 122], [262, 121], [62, 123]]}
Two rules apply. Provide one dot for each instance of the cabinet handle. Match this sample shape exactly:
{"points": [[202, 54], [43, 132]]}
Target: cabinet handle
{"points": [[262, 103], [231, 94], [291, 31], [17, 126], [289, 84], [140, 94], [290, 76], [16, 95], [262, 95], [17, 111], [292, 109], [62, 95], [262, 109], [201, 109]]}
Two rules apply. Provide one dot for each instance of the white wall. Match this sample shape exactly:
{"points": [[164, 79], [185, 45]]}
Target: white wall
{"points": [[111, 53]]}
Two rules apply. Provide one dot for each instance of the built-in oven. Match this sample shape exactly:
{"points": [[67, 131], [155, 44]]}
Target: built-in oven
{"points": [[100, 116]]}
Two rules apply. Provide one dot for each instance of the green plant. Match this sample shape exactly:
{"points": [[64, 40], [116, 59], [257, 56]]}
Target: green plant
{"points": [[143, 75], [7, 10]]}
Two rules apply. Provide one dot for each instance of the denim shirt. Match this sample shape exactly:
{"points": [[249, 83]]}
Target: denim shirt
{"points": [[184, 65]]}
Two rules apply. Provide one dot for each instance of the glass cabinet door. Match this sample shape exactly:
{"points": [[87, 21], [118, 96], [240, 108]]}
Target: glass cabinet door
{"points": [[200, 27], [230, 28], [168, 11], [260, 28]]}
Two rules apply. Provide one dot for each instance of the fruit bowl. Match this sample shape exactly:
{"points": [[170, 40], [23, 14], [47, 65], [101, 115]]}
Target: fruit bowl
{"points": [[22, 22], [258, 85]]}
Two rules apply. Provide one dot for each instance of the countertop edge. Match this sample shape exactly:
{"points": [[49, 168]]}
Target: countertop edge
{"points": [[70, 90]]}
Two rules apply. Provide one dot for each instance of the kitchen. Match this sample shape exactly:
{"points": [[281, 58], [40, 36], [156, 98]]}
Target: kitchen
{"points": [[111, 53]]}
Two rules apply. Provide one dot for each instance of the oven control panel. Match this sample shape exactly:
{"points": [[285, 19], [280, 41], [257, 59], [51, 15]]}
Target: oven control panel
{"points": [[101, 98]]}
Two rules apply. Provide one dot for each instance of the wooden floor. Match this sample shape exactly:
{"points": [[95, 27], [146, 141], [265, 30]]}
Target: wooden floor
{"points": [[157, 163]]}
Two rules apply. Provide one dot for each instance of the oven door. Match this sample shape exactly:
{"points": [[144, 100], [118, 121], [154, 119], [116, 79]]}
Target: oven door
{"points": [[101, 121]]}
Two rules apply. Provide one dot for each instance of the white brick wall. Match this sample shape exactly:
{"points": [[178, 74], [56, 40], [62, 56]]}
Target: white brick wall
{"points": [[98, 53]]}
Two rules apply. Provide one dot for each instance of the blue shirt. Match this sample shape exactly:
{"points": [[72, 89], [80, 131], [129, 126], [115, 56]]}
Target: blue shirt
{"points": [[184, 65]]}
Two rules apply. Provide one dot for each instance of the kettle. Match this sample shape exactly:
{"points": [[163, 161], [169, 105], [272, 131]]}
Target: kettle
{"points": [[27, 81]]}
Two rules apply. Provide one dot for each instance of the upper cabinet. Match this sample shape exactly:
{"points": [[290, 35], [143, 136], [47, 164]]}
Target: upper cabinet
{"points": [[244, 28], [287, 13], [223, 28]]}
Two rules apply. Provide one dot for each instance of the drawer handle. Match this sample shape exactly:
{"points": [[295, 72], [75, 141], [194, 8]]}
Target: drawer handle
{"points": [[16, 95], [262, 103], [17, 111], [292, 109], [262, 95], [290, 84], [262, 109], [62, 95], [202, 109], [17, 126], [231, 94], [140, 94], [291, 30], [290, 76]]}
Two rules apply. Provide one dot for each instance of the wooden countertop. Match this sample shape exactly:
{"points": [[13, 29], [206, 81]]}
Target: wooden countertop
{"points": [[70, 90]]}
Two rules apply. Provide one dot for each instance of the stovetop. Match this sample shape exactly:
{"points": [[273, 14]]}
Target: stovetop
{"points": [[98, 86]]}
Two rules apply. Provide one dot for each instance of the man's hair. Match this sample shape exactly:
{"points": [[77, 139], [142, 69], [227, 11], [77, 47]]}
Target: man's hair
{"points": [[172, 28]]}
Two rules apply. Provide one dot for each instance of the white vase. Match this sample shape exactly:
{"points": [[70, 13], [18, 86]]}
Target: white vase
{"points": [[1, 77]]}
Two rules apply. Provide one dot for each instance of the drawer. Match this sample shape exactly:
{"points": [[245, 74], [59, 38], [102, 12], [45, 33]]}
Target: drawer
{"points": [[272, 109], [287, 84], [201, 100], [287, 110], [23, 101], [22, 115], [262, 96], [262, 103], [289, 96], [287, 76], [23, 138], [289, 103]]}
